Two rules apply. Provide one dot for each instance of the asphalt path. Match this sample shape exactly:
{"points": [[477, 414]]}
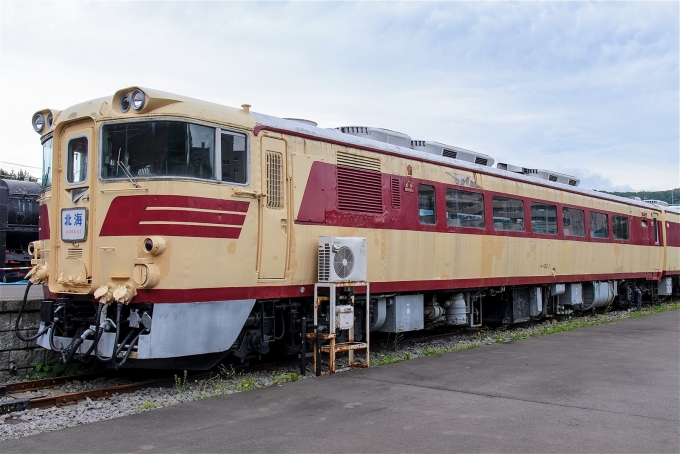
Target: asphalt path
{"points": [[607, 388]]}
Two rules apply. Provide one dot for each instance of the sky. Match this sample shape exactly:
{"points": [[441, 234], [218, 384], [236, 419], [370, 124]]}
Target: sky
{"points": [[587, 89]]}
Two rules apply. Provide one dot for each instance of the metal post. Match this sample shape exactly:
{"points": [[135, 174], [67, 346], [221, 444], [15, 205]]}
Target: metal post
{"points": [[318, 351], [303, 345]]}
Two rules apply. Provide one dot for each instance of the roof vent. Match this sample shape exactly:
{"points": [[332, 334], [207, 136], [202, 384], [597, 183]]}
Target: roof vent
{"points": [[300, 120], [540, 173], [378, 134], [452, 152], [660, 203]]}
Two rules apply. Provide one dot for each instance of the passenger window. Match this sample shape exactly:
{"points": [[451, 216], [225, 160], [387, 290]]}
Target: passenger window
{"points": [[620, 227], [464, 209], [573, 222], [234, 158], [656, 231], [76, 171], [508, 214], [426, 204], [543, 218], [599, 227]]}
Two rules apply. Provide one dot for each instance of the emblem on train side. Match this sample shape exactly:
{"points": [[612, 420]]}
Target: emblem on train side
{"points": [[464, 181], [408, 186]]}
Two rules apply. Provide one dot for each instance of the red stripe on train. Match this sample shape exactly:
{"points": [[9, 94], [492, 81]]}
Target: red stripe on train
{"points": [[127, 214], [320, 205], [43, 223], [290, 291]]}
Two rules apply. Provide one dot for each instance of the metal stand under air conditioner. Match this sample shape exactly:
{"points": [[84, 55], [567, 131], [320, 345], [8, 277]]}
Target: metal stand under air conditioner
{"points": [[333, 348]]}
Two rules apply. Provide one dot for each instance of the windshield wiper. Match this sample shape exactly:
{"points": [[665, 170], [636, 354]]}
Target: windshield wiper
{"points": [[126, 171]]}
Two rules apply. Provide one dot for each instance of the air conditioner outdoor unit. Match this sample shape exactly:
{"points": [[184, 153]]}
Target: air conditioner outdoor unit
{"points": [[342, 259]]}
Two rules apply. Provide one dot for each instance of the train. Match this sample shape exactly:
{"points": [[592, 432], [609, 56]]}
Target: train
{"points": [[18, 226], [180, 233]]}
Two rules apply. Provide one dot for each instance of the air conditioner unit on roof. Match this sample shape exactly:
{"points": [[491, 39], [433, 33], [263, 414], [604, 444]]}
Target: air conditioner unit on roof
{"points": [[342, 259]]}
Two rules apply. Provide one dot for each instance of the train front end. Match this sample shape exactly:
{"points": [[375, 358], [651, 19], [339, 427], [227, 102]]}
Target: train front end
{"points": [[147, 240]]}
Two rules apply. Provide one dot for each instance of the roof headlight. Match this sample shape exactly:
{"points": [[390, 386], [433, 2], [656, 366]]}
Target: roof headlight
{"points": [[38, 122], [49, 120], [138, 99], [124, 103]]}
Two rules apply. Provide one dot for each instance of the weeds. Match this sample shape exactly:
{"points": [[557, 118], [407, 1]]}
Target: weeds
{"points": [[147, 405], [181, 383]]}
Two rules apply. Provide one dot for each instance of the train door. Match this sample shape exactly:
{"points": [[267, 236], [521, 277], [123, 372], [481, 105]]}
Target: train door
{"points": [[72, 184], [273, 213]]}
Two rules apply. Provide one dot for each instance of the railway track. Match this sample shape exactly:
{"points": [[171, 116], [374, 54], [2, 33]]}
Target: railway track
{"points": [[16, 391]]}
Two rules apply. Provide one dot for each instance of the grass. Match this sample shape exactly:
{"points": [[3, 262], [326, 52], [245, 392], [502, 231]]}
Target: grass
{"points": [[147, 405]]}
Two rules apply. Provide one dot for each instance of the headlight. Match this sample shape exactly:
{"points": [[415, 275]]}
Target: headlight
{"points": [[124, 103], [137, 99], [38, 122], [49, 120]]}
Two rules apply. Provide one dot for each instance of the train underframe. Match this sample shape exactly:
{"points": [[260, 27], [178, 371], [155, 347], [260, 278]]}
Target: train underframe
{"points": [[137, 335]]}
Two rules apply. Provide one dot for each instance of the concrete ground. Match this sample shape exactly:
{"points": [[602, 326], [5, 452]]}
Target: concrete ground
{"points": [[608, 388]]}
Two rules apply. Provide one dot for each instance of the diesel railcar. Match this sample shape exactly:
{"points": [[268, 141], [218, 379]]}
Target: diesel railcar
{"points": [[177, 233]]}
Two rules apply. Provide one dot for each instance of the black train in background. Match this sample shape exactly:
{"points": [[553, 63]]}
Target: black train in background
{"points": [[18, 226]]}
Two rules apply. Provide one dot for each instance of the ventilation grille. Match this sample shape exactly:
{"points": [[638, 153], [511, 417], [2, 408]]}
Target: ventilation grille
{"points": [[417, 143], [481, 161], [396, 194], [274, 183], [449, 153], [343, 262], [324, 262], [552, 178], [359, 183], [353, 130], [573, 182], [74, 253], [358, 162]]}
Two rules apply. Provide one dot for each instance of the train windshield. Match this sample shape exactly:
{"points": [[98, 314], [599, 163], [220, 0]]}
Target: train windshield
{"points": [[47, 163], [158, 149]]}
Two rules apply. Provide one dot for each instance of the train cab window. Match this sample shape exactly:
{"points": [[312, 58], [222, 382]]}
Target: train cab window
{"points": [[426, 204], [573, 222], [543, 218], [508, 214], [464, 209], [47, 163], [76, 160], [158, 149], [620, 227], [234, 158], [599, 225]]}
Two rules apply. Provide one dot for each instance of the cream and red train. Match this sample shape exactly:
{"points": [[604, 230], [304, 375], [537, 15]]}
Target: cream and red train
{"points": [[177, 232]]}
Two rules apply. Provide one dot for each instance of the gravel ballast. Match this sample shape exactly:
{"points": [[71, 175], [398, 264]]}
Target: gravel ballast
{"points": [[30, 422]]}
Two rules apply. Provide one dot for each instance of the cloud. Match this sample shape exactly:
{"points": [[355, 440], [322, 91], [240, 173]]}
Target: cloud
{"points": [[533, 83]]}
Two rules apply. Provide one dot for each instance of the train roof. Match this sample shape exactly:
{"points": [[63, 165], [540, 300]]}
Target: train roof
{"points": [[21, 188], [335, 136], [159, 103]]}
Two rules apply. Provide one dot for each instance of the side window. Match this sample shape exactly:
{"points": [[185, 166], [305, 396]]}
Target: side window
{"points": [[573, 222], [620, 227], [599, 227], [234, 158], [47, 163], [655, 226], [543, 218], [76, 160], [508, 214], [464, 209], [426, 204]]}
